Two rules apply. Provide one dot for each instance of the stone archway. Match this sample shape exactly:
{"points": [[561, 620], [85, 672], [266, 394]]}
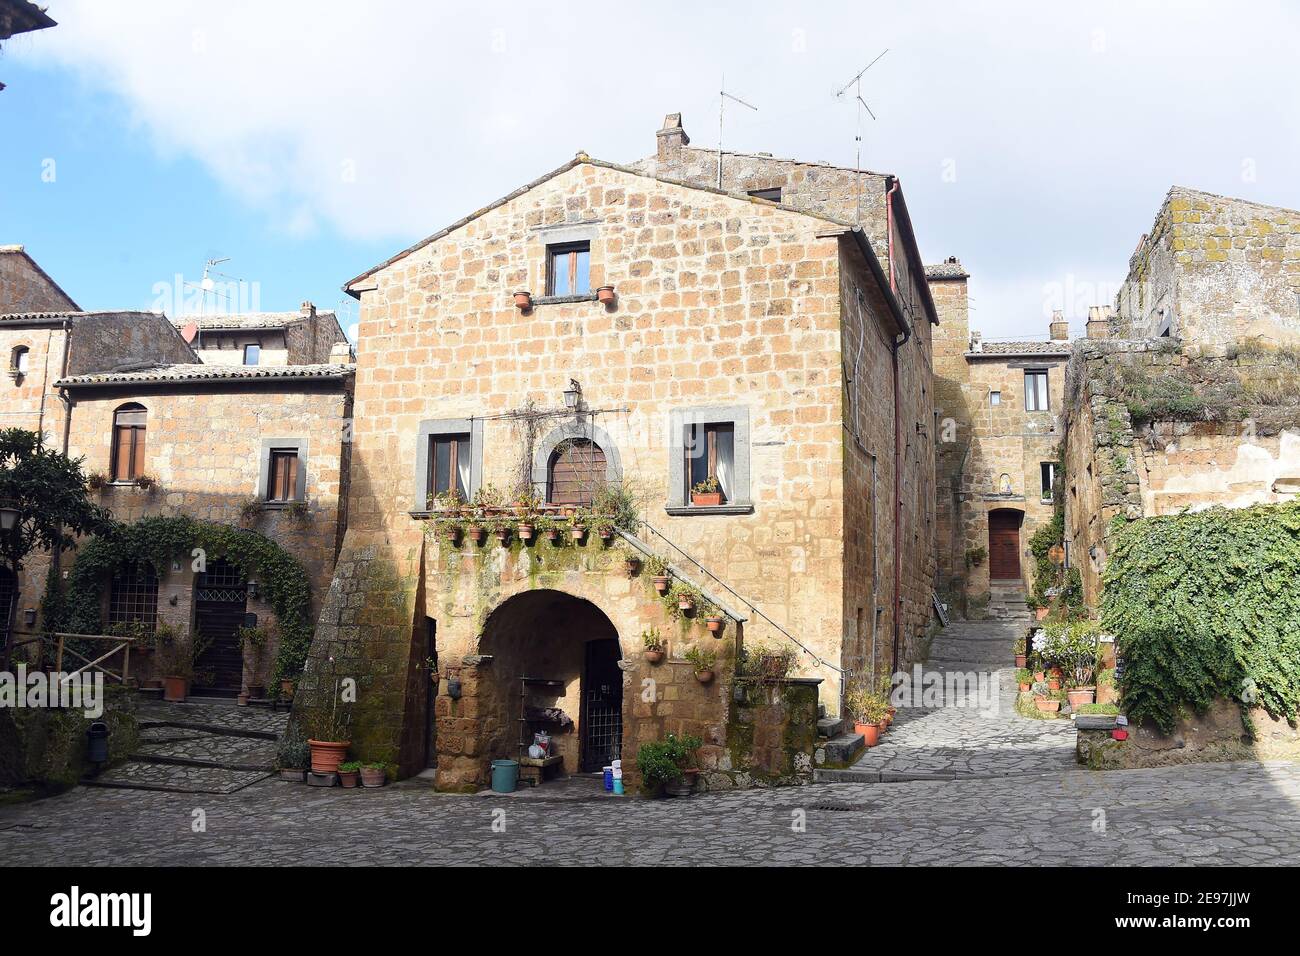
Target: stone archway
{"points": [[600, 448], [554, 668]]}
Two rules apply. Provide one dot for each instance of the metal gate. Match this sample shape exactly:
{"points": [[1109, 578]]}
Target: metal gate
{"points": [[220, 602], [601, 719]]}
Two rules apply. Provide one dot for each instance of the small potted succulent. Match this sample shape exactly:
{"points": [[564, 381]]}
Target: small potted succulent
{"points": [[657, 568], [707, 492], [528, 504], [349, 773], [653, 643], [501, 528], [702, 661], [373, 774]]}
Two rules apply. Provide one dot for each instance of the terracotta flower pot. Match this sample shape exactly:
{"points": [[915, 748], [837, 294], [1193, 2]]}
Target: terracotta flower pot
{"points": [[605, 294], [577, 532], [704, 677], [523, 301], [870, 733], [476, 533], [1039, 677], [372, 777], [552, 535], [525, 532], [706, 499], [686, 605], [654, 657], [326, 755], [1053, 684], [1024, 688], [1021, 660], [175, 688], [1041, 612], [1078, 696], [452, 533], [883, 725], [1047, 705], [714, 623], [503, 535], [661, 583], [348, 779]]}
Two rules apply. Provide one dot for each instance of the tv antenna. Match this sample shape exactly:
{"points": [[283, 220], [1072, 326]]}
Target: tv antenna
{"points": [[207, 286], [723, 96], [856, 85]]}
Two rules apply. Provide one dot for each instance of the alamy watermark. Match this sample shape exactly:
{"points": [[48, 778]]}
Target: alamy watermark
{"points": [[41, 689]]}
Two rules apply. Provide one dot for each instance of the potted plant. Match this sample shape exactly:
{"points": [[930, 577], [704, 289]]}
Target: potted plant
{"points": [[684, 596], [373, 774], [605, 529], [1078, 696], [252, 642], [546, 527], [297, 511], [501, 529], [523, 300], [866, 709], [349, 773], [96, 480], [528, 504], [177, 661], [771, 663], [1024, 680], [713, 619], [328, 736], [702, 661], [250, 511], [1047, 705], [578, 524], [292, 755], [631, 562], [666, 765], [657, 568], [605, 294], [654, 645], [145, 483], [706, 492]]}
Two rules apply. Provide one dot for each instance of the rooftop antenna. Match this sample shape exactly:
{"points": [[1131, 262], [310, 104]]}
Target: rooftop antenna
{"points": [[207, 285], [723, 96], [856, 85]]}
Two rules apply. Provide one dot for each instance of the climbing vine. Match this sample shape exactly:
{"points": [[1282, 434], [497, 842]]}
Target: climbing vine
{"points": [[1206, 606], [159, 540]]}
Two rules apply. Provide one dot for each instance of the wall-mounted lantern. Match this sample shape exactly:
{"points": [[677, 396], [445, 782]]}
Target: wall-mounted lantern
{"points": [[8, 515], [252, 589], [573, 395]]}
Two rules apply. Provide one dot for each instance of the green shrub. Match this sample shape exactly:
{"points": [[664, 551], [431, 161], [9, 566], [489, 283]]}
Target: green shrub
{"points": [[1206, 606]]}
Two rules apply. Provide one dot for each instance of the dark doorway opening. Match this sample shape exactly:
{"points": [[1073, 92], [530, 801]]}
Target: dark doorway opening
{"points": [[220, 603], [601, 720], [1004, 544]]}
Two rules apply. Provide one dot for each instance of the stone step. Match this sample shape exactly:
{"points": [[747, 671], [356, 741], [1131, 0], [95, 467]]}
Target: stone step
{"points": [[845, 748], [169, 778], [829, 726]]}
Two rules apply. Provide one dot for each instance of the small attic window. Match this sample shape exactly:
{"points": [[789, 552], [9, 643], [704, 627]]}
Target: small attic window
{"points": [[771, 195], [568, 268]]}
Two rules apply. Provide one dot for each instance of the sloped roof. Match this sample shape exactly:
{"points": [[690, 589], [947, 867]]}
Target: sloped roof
{"points": [[247, 320], [946, 270], [179, 374], [18, 249], [1022, 348], [70, 315]]}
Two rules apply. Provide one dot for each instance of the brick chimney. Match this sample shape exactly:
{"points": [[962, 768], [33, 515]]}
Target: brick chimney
{"points": [[1099, 322], [1059, 329], [308, 310], [671, 139], [976, 342]]}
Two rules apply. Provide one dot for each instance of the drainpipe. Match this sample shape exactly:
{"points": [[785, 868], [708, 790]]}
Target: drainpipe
{"points": [[56, 564], [898, 437]]}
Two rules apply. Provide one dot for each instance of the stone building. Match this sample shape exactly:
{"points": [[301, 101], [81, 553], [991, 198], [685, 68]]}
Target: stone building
{"points": [[998, 408], [758, 341], [1186, 395], [168, 429], [306, 337], [1214, 271]]}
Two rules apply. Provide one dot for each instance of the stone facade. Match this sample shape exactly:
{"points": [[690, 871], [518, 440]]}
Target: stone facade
{"points": [[305, 337], [776, 319], [25, 287], [1213, 271], [991, 449]]}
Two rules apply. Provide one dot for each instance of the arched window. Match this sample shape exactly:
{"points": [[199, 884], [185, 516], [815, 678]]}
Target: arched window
{"points": [[18, 359], [128, 442], [134, 595], [577, 468]]}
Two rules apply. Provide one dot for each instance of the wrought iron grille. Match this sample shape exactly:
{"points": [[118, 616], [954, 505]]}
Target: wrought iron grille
{"points": [[133, 595], [604, 730]]}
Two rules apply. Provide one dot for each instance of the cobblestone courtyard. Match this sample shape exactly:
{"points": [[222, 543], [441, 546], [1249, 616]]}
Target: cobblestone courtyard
{"points": [[1208, 814]]}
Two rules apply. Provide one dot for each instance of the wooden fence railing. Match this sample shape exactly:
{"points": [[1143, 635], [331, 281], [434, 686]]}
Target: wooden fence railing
{"points": [[57, 643]]}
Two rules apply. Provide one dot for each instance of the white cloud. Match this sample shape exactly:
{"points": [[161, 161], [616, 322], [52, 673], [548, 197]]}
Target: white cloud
{"points": [[1065, 126]]}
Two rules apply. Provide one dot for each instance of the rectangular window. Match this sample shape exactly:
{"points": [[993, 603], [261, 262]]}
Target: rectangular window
{"points": [[283, 484], [710, 465], [995, 398], [449, 465], [252, 354], [773, 195], [568, 269], [1048, 476], [1036, 390]]}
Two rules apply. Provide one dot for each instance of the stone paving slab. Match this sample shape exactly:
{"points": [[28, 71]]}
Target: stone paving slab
{"points": [[1210, 814], [211, 715], [173, 778], [202, 748]]}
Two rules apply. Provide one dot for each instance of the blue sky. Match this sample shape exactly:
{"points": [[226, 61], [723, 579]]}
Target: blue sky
{"points": [[308, 142]]}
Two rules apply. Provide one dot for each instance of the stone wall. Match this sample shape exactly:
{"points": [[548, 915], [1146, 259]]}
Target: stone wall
{"points": [[1219, 734], [24, 286], [46, 746], [1215, 270]]}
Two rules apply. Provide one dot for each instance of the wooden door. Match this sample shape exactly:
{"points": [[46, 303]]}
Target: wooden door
{"points": [[1004, 545], [577, 470]]}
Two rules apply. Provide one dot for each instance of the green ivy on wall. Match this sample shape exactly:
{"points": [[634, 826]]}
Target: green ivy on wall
{"points": [[159, 540], [1206, 606]]}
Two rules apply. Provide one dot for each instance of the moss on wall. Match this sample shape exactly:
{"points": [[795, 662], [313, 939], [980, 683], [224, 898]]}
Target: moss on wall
{"points": [[47, 746]]}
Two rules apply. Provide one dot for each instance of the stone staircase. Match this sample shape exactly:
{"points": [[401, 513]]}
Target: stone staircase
{"points": [[1007, 602]]}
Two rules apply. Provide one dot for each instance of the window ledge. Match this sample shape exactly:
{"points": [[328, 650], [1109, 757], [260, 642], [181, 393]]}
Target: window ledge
{"points": [[281, 505], [738, 508], [563, 299]]}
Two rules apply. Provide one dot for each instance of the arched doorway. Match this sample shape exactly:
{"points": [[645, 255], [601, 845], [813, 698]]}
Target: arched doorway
{"points": [[555, 669], [1004, 544], [576, 470]]}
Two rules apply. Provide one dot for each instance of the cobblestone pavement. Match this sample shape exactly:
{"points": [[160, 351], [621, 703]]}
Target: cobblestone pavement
{"points": [[964, 738], [1244, 813]]}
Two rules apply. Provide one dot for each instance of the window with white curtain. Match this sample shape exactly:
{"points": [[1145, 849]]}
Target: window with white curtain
{"points": [[710, 450], [1036, 390]]}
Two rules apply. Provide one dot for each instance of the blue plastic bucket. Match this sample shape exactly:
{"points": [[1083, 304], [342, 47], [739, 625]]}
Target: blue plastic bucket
{"points": [[505, 775], [609, 779]]}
